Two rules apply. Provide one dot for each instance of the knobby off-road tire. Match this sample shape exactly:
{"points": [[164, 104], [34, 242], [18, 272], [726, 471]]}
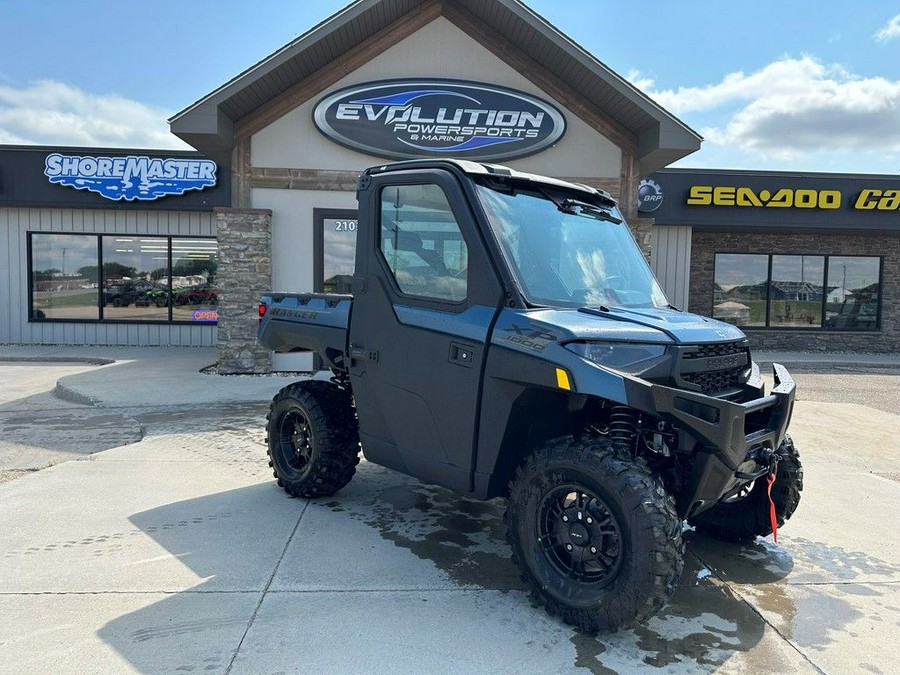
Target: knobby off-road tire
{"points": [[313, 438], [594, 534], [744, 518]]}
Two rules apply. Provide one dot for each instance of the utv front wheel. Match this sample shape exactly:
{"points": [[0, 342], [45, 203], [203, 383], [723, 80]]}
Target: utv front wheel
{"points": [[746, 516], [594, 534], [313, 438]]}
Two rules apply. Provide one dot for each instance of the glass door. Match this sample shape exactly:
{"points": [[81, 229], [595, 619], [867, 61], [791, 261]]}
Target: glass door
{"points": [[335, 247]]}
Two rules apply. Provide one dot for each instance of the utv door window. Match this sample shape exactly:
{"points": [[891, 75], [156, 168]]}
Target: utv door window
{"points": [[422, 244]]}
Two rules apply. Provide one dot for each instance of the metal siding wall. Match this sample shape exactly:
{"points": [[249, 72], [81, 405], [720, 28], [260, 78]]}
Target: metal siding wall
{"points": [[671, 261], [14, 226], [13, 239]]}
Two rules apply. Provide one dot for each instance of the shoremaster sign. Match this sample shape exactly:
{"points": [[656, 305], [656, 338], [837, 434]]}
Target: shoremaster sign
{"points": [[406, 119], [131, 177]]}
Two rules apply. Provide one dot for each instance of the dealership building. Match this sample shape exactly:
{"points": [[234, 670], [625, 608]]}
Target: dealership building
{"points": [[801, 261], [174, 248]]}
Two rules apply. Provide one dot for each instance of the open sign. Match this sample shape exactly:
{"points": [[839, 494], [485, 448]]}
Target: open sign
{"points": [[206, 315]]}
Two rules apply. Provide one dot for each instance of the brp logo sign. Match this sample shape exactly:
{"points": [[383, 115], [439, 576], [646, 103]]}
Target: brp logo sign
{"points": [[650, 195]]}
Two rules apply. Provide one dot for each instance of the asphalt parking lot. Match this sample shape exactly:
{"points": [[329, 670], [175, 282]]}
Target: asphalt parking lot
{"points": [[141, 531]]}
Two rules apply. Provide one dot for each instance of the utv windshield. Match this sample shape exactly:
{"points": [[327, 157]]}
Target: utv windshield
{"points": [[567, 250]]}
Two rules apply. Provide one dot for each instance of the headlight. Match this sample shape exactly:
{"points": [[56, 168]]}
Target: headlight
{"points": [[626, 356]]}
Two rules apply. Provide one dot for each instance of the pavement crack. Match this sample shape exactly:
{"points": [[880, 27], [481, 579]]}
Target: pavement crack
{"points": [[187, 591], [262, 596], [734, 591], [883, 582]]}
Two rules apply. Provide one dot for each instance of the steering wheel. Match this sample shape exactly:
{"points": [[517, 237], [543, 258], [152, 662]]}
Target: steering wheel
{"points": [[615, 282]]}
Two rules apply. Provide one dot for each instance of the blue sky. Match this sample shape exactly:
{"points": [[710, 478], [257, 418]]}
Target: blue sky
{"points": [[781, 85]]}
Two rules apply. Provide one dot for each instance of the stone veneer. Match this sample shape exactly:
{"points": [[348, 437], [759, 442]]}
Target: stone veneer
{"points": [[244, 274], [704, 246], [642, 229]]}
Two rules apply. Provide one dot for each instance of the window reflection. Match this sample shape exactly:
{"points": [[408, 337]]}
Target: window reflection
{"points": [[64, 279], [122, 278], [853, 293], [422, 243], [339, 254], [195, 296], [134, 278], [741, 290], [797, 291]]}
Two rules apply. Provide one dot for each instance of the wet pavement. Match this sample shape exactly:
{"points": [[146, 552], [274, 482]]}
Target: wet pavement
{"points": [[168, 548], [39, 429]]}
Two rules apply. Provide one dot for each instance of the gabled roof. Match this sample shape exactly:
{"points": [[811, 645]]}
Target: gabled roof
{"points": [[657, 137]]}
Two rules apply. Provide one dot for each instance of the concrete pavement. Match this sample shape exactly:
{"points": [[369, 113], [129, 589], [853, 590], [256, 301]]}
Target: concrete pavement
{"points": [[146, 376], [174, 551]]}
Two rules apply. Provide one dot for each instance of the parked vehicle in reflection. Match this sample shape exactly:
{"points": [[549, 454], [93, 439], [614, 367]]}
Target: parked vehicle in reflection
{"points": [[157, 296], [124, 293], [137, 293], [196, 296]]}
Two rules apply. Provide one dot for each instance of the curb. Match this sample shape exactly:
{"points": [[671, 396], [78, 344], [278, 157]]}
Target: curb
{"points": [[831, 366], [72, 396], [90, 360], [60, 390]]}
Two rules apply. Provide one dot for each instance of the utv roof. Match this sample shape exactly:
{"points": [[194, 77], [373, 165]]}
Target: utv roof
{"points": [[493, 170]]}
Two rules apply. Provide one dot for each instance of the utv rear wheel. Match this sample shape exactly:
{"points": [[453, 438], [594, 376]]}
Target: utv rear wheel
{"points": [[313, 438], [594, 534], [746, 515]]}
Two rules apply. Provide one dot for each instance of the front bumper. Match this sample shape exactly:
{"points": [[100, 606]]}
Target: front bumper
{"points": [[726, 431]]}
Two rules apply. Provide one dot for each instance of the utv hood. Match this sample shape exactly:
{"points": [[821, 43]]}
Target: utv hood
{"points": [[662, 326]]}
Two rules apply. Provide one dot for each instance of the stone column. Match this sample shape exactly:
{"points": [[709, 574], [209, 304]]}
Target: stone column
{"points": [[641, 226], [244, 274], [642, 229]]}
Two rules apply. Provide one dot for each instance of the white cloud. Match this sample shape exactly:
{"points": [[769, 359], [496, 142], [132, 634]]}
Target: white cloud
{"points": [[889, 31], [640, 80], [793, 107], [52, 113]]}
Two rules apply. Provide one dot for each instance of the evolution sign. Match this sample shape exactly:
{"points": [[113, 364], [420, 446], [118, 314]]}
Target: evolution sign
{"points": [[426, 118]]}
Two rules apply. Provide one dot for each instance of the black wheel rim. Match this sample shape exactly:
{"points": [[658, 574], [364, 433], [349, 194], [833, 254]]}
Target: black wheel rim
{"points": [[294, 442], [579, 535], [740, 494]]}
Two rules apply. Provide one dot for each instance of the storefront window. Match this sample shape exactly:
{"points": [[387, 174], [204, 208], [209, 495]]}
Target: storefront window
{"points": [[797, 291], [741, 289], [64, 279], [852, 301], [195, 297], [134, 278]]}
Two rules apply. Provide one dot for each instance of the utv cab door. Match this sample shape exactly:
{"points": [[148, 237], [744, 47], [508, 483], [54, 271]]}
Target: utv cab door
{"points": [[425, 299]]}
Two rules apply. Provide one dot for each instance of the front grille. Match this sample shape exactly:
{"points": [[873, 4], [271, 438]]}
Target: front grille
{"points": [[717, 382], [718, 349], [713, 369]]}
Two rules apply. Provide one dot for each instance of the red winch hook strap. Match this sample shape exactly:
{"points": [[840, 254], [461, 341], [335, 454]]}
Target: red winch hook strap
{"points": [[772, 517]]}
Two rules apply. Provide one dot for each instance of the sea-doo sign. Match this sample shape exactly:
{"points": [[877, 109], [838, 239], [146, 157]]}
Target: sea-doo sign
{"points": [[130, 177], [405, 119]]}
